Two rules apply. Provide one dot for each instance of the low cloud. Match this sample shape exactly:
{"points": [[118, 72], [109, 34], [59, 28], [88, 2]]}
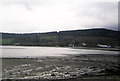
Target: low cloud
{"points": [[56, 15]]}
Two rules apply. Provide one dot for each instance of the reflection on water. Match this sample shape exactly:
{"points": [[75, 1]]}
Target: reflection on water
{"points": [[21, 51]]}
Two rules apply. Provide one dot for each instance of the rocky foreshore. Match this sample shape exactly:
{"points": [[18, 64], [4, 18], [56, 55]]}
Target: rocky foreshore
{"points": [[59, 68]]}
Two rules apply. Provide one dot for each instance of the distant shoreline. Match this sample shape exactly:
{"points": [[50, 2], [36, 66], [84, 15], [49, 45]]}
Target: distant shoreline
{"points": [[92, 48]]}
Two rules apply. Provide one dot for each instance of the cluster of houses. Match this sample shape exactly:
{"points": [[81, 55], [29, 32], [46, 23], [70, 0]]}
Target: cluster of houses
{"points": [[103, 46], [83, 44], [98, 45]]}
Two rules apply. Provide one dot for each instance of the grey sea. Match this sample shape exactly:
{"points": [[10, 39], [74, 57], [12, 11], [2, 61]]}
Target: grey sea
{"points": [[27, 51]]}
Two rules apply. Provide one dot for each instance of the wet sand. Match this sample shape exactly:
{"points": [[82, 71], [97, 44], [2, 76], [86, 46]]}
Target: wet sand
{"points": [[66, 68]]}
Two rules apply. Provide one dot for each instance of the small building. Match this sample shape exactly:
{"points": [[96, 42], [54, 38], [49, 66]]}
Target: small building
{"points": [[71, 45], [103, 46], [84, 44], [16, 44]]}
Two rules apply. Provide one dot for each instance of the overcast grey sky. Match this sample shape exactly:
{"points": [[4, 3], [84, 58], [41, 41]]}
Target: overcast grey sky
{"points": [[56, 15]]}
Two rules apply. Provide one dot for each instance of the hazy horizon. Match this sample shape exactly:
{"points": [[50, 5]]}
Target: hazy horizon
{"points": [[39, 16], [54, 31]]}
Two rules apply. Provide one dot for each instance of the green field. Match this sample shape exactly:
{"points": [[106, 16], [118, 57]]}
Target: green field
{"points": [[7, 41]]}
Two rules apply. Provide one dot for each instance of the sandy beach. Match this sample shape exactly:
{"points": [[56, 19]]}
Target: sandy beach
{"points": [[65, 68]]}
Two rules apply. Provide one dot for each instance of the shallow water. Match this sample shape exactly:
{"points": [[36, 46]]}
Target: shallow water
{"points": [[24, 51]]}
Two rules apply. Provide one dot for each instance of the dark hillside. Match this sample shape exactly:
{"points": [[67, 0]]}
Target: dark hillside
{"points": [[91, 37], [91, 32]]}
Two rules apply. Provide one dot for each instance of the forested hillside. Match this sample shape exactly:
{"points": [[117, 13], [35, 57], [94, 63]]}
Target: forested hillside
{"points": [[90, 37]]}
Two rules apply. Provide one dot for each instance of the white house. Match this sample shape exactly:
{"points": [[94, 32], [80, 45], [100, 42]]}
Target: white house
{"points": [[103, 46], [83, 44]]}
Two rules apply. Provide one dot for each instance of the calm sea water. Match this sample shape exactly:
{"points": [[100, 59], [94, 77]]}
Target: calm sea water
{"points": [[22, 51]]}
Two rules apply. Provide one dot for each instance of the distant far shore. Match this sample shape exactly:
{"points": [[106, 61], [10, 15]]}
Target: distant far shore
{"points": [[75, 38]]}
